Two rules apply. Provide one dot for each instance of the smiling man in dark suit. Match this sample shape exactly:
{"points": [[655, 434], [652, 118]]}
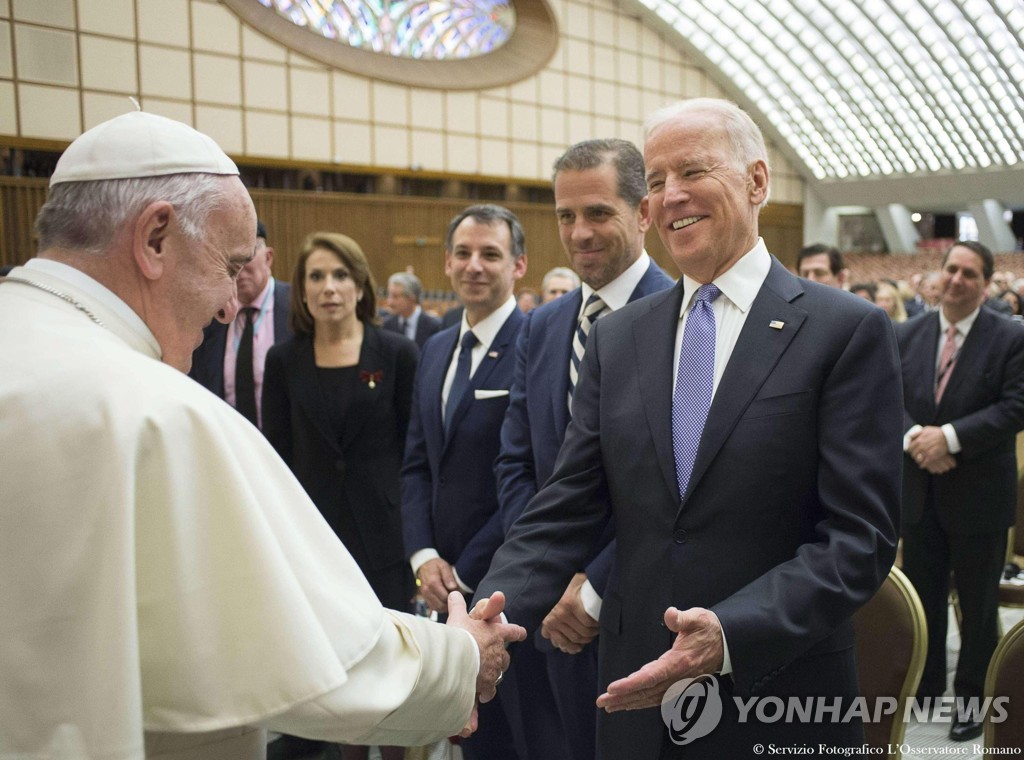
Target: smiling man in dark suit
{"points": [[601, 209], [743, 430], [230, 359], [963, 382], [449, 501]]}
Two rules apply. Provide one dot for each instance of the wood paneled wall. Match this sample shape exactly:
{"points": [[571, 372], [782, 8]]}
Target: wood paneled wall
{"points": [[20, 201], [394, 231]]}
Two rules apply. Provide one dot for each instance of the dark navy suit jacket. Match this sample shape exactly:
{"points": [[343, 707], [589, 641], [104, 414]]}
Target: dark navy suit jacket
{"points": [[791, 514], [449, 497], [538, 412], [208, 359]]}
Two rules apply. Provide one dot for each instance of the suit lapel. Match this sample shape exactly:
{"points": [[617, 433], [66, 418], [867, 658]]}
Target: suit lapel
{"points": [[433, 378], [309, 394], [654, 281], [365, 398], [564, 325], [654, 338], [757, 352], [495, 354], [218, 336], [281, 308], [925, 358]]}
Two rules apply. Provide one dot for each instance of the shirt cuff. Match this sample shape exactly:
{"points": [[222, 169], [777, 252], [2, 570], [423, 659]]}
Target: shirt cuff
{"points": [[476, 647], [726, 659], [422, 557], [590, 600], [910, 434], [952, 441], [462, 586]]}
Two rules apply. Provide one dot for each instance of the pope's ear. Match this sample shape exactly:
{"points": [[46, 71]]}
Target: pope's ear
{"points": [[150, 235]]}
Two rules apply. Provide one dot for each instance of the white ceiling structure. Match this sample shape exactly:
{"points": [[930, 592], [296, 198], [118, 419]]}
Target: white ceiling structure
{"points": [[915, 102]]}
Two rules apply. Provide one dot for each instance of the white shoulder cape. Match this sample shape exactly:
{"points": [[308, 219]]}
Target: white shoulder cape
{"points": [[163, 571]]}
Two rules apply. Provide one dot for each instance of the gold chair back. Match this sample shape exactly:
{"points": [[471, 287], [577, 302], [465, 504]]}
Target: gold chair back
{"points": [[891, 646]]}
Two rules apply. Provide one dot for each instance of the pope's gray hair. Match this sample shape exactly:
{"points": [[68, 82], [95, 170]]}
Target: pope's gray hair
{"points": [[87, 216]]}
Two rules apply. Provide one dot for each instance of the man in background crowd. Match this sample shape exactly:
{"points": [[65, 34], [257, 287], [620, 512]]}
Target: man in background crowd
{"points": [[407, 315], [230, 360], [557, 282], [821, 263], [963, 387], [527, 299], [929, 293]]}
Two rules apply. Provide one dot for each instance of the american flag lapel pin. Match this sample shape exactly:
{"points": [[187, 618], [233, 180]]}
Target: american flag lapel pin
{"points": [[776, 324], [493, 354]]}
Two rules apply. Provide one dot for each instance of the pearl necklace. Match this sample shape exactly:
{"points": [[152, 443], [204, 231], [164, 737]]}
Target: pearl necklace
{"points": [[53, 291]]}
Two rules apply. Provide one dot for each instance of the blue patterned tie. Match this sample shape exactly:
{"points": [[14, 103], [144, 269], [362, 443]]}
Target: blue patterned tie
{"points": [[461, 380], [695, 379]]}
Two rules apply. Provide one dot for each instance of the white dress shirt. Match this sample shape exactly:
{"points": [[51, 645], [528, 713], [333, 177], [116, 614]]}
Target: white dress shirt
{"points": [[963, 327], [616, 293], [739, 286]]}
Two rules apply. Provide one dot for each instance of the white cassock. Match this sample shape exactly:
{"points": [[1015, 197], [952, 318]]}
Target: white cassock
{"points": [[163, 574]]}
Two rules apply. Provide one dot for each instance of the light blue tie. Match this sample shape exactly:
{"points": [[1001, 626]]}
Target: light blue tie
{"points": [[461, 380], [695, 380]]}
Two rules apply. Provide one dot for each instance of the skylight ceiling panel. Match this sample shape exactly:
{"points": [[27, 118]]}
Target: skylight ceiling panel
{"points": [[988, 123], [877, 86]]}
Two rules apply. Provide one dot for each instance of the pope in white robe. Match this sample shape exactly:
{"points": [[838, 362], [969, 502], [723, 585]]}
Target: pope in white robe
{"points": [[168, 589]]}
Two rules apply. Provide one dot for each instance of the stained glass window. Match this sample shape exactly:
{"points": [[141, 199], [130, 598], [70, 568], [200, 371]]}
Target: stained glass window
{"points": [[419, 29]]}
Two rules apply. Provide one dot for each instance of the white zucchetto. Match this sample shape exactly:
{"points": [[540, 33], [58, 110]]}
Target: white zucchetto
{"points": [[140, 144]]}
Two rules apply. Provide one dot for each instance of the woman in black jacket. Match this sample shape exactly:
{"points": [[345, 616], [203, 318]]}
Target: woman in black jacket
{"points": [[336, 400]]}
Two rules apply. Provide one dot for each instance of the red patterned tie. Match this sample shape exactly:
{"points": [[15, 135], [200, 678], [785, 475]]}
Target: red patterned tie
{"points": [[946, 362]]}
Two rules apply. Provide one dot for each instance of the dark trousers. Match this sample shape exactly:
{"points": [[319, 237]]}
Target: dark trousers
{"points": [[530, 706], [573, 679], [493, 739], [930, 552]]}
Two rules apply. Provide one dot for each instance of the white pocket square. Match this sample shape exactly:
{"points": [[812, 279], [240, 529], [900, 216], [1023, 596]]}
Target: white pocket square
{"points": [[480, 395]]}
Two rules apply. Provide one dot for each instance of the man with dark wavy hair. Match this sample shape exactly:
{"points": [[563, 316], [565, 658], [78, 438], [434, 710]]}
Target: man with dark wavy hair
{"points": [[601, 211]]}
